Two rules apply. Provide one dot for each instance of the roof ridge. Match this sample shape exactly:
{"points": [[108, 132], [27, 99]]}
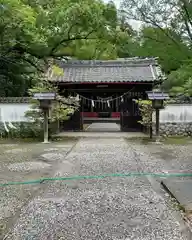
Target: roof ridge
{"points": [[110, 63]]}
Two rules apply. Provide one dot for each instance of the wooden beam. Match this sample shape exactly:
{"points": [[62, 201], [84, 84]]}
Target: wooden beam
{"points": [[98, 90], [103, 83]]}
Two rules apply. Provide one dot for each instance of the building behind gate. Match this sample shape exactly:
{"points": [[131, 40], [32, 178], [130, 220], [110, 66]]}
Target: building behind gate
{"points": [[106, 89]]}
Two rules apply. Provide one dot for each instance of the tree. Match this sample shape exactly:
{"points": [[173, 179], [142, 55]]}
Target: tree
{"points": [[126, 41], [154, 42], [180, 81], [34, 31], [164, 14], [169, 22], [62, 108], [105, 47], [146, 110]]}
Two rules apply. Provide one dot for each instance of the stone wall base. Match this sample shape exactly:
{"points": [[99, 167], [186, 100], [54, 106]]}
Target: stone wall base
{"points": [[175, 129]]}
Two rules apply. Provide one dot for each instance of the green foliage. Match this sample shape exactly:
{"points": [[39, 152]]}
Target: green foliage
{"points": [[57, 71], [166, 33], [179, 81], [110, 13], [30, 130], [34, 31], [59, 111], [155, 42], [94, 49], [146, 110], [127, 46]]}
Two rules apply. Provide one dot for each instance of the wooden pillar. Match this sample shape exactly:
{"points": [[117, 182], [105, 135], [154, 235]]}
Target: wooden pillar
{"points": [[102, 106], [116, 109], [82, 109], [157, 123], [81, 102]]}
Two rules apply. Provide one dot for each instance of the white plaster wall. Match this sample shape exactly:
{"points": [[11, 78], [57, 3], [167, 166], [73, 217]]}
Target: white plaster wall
{"points": [[176, 113], [13, 112]]}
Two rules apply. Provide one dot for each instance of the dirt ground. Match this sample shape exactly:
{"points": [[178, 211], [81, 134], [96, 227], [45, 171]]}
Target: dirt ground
{"points": [[25, 162]]}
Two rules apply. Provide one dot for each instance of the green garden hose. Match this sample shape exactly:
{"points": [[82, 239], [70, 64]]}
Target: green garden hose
{"points": [[41, 180]]}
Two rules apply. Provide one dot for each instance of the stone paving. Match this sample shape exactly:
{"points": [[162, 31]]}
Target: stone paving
{"points": [[103, 127], [107, 209], [98, 134]]}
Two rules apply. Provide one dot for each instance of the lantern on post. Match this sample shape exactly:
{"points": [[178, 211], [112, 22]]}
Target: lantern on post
{"points": [[45, 99], [157, 99]]}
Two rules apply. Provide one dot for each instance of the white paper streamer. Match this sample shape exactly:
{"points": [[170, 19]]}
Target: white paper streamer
{"points": [[93, 104], [108, 103], [11, 125], [4, 123], [121, 99]]}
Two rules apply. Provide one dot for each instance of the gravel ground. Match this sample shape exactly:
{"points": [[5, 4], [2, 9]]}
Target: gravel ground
{"points": [[111, 208], [23, 162], [167, 158]]}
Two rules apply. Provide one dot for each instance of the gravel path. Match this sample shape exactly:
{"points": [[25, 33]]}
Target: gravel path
{"points": [[107, 209]]}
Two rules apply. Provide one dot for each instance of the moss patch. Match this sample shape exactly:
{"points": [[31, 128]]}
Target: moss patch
{"points": [[143, 140], [177, 140], [63, 139]]}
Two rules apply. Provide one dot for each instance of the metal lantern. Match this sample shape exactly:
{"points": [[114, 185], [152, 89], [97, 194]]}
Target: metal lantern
{"points": [[157, 99], [45, 104], [45, 99], [157, 104]]}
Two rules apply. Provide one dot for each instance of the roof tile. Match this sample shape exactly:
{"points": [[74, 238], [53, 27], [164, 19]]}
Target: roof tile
{"points": [[15, 99], [126, 70]]}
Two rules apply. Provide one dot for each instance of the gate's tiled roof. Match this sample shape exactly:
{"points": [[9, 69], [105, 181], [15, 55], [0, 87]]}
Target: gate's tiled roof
{"points": [[15, 99], [121, 70]]}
